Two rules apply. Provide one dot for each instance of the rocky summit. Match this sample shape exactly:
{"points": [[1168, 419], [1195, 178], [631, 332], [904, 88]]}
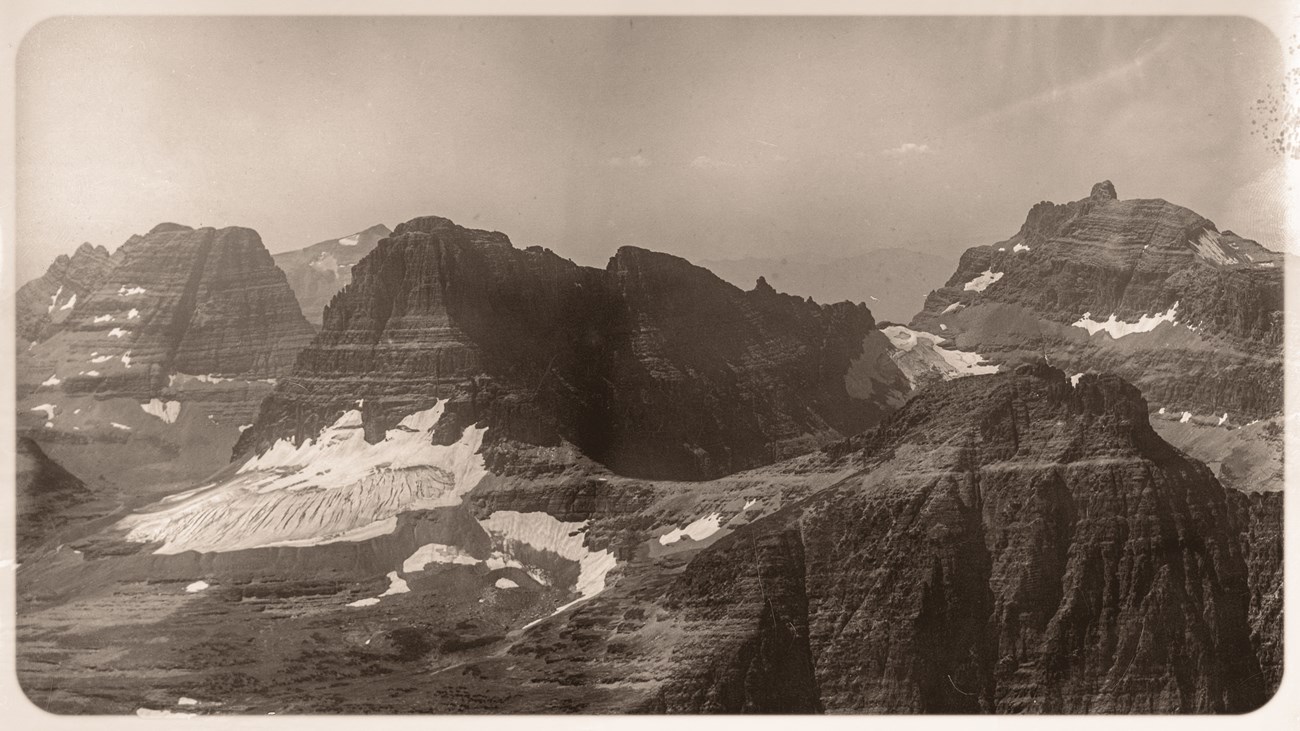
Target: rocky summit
{"points": [[316, 273], [158, 358], [44, 303], [651, 366], [1144, 288]]}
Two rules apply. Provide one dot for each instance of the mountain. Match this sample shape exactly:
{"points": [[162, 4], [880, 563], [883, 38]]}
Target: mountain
{"points": [[47, 496], [651, 366], [44, 303], [149, 374], [1144, 288], [317, 272], [1015, 542], [893, 282]]}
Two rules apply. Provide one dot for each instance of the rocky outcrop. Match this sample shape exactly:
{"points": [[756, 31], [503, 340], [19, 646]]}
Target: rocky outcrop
{"points": [[1010, 543], [1258, 518], [652, 366], [1144, 288], [170, 353], [318, 272], [44, 303], [47, 495]]}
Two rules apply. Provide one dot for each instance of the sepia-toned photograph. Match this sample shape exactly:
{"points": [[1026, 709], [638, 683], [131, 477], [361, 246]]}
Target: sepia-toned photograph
{"points": [[649, 364]]}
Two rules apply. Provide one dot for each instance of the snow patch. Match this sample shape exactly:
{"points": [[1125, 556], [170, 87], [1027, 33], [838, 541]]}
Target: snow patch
{"points": [[350, 240], [1223, 419], [126, 359], [100, 358], [1074, 380], [396, 585], [923, 352], [436, 553], [982, 282], [943, 327], [337, 487], [367, 602], [542, 532], [72, 301], [696, 530], [92, 374], [116, 425], [125, 291], [183, 701], [47, 408], [132, 314], [952, 308], [506, 584], [165, 410], [1019, 247], [118, 332], [750, 503], [1118, 328], [244, 426], [1187, 416], [1210, 247], [103, 318], [54, 300], [197, 587]]}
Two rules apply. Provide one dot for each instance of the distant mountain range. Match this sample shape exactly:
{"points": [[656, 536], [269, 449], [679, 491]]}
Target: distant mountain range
{"points": [[893, 282], [320, 271]]}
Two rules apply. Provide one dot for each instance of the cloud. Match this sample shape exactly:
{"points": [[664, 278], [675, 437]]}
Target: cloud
{"points": [[704, 162], [907, 148], [632, 161]]}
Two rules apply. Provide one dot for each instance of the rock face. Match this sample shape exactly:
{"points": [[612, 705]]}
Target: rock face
{"points": [[317, 272], [46, 493], [1010, 543], [1258, 517], [171, 351], [43, 304], [652, 366], [1143, 288]]}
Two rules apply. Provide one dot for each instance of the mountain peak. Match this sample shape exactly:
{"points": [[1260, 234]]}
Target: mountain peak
{"points": [[167, 226], [1105, 190]]}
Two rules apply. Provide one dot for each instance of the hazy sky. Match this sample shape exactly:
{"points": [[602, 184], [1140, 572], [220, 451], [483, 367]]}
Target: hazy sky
{"points": [[709, 138]]}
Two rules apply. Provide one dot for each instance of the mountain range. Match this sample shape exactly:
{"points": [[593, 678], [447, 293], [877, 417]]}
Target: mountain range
{"points": [[494, 481]]}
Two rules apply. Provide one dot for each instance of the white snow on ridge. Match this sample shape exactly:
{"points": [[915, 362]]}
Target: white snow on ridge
{"points": [[165, 410], [1209, 246], [54, 300], [337, 487], [697, 530], [952, 308], [53, 380], [1118, 328], [982, 282], [47, 408], [1019, 248], [72, 302], [350, 240]]}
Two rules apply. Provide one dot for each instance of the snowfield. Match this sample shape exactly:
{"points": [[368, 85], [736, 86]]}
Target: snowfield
{"points": [[337, 487], [1118, 328]]}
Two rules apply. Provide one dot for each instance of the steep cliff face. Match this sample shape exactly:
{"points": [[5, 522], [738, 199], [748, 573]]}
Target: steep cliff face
{"points": [[1149, 290], [1258, 517], [44, 303], [652, 366], [169, 353], [317, 272], [1009, 543], [47, 496]]}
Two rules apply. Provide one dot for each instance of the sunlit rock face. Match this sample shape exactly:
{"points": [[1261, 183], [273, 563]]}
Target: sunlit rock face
{"points": [[44, 303], [1144, 288], [651, 366], [176, 338]]}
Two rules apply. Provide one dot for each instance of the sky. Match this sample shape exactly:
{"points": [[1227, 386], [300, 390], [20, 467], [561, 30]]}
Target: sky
{"points": [[710, 138]]}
